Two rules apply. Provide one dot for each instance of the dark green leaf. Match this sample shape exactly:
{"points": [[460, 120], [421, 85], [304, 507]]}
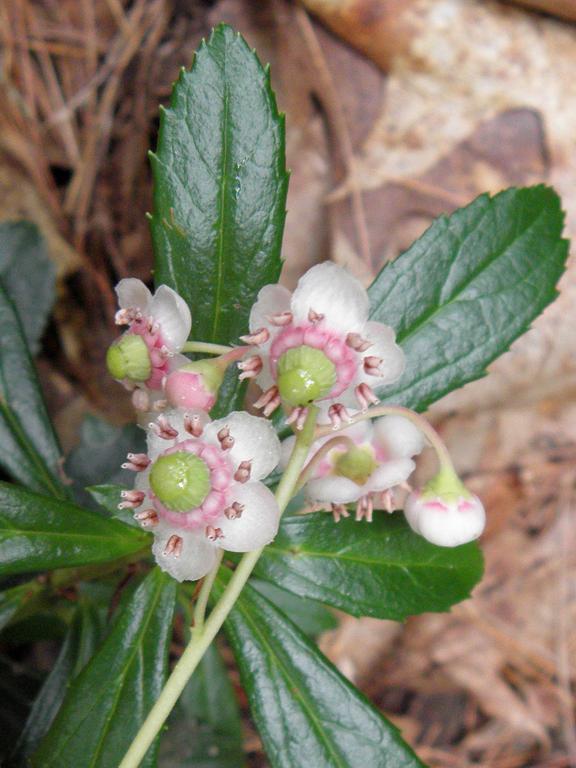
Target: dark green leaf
{"points": [[101, 450], [307, 713], [108, 497], [380, 569], [14, 599], [471, 285], [205, 729], [30, 451], [311, 617], [220, 187], [37, 533], [28, 276], [231, 395], [78, 647], [106, 704]]}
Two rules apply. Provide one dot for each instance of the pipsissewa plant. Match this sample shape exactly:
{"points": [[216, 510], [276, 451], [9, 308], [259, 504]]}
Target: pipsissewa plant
{"points": [[348, 370]]}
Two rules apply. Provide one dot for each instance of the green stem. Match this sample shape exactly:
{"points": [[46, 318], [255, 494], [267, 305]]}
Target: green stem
{"points": [[203, 595], [444, 458], [201, 640], [206, 348]]}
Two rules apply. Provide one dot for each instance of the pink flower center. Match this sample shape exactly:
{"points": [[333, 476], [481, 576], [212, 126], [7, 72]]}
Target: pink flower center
{"points": [[221, 478], [142, 326], [333, 345]]}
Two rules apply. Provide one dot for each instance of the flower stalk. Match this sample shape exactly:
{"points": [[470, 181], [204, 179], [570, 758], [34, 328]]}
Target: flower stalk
{"points": [[444, 458], [204, 634]]}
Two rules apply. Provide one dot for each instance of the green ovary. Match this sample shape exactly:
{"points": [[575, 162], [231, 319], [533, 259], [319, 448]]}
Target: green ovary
{"points": [[304, 375], [128, 358], [357, 464], [180, 480]]}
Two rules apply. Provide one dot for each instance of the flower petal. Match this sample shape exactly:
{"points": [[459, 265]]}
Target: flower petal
{"points": [[331, 489], [389, 474], [133, 294], [383, 346], [254, 440], [197, 558], [330, 290], [259, 521], [172, 313], [272, 300], [398, 436], [444, 524]]}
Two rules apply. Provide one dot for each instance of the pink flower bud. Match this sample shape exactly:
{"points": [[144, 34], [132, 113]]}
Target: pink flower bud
{"points": [[187, 389], [446, 520]]}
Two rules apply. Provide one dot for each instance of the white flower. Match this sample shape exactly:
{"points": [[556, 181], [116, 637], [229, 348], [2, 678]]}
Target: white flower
{"points": [[379, 460], [159, 326], [317, 344], [445, 520], [198, 489]]}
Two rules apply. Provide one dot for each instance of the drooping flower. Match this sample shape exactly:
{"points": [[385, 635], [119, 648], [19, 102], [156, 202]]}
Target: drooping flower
{"points": [[445, 512], [317, 344], [196, 385], [158, 327], [198, 488], [376, 459]]}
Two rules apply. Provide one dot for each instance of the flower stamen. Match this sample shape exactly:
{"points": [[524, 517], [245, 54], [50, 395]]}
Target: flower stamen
{"points": [[225, 438], [250, 367], [337, 413], [242, 474], [234, 511], [173, 546], [372, 365], [136, 462], [132, 499], [339, 511], [213, 534], [365, 396], [357, 343], [162, 428], [268, 401], [281, 319], [260, 336], [193, 425], [147, 518], [364, 508]]}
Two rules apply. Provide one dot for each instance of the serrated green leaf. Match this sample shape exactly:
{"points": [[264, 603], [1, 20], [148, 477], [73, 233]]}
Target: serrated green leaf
{"points": [[307, 713], [78, 647], [30, 451], [38, 533], [205, 730], [381, 569], [465, 290], [220, 187], [310, 616], [28, 276], [106, 704]]}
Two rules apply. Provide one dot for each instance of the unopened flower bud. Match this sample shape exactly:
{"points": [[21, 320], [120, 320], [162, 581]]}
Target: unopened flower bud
{"points": [[445, 512], [195, 385]]}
